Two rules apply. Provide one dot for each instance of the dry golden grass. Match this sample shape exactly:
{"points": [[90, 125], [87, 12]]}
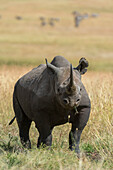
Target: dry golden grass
{"points": [[96, 140]]}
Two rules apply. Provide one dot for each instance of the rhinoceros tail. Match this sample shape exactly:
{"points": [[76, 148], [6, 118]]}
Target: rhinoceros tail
{"points": [[12, 120]]}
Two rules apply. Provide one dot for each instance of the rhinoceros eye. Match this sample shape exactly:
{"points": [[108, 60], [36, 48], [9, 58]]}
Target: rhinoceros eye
{"points": [[59, 90]]}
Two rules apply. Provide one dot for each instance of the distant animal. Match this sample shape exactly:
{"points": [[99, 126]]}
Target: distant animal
{"points": [[43, 22], [51, 21], [78, 19], [52, 94], [18, 17]]}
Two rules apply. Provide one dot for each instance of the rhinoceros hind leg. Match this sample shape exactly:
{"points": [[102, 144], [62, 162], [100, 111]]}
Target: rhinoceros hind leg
{"points": [[24, 124], [24, 132]]}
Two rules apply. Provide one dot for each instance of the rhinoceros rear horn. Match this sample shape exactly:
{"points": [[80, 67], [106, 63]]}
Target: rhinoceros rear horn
{"points": [[52, 67]]}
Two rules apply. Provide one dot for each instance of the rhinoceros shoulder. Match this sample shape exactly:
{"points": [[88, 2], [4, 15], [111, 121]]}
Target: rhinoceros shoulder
{"points": [[28, 79]]}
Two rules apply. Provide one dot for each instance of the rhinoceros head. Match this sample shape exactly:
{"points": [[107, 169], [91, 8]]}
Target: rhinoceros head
{"points": [[67, 86]]}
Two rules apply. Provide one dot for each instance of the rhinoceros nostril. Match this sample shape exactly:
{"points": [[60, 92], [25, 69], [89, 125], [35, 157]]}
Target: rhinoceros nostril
{"points": [[78, 100], [66, 101]]}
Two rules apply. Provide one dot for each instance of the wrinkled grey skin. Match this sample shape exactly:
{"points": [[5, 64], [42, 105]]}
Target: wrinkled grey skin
{"points": [[47, 95]]}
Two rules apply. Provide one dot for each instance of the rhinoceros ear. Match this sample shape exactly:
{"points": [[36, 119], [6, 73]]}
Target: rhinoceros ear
{"points": [[83, 64], [52, 67]]}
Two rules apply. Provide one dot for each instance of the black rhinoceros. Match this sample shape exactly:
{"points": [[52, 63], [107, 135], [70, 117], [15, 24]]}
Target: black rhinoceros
{"points": [[51, 95]]}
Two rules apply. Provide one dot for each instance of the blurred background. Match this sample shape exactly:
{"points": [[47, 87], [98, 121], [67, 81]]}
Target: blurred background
{"points": [[32, 30]]}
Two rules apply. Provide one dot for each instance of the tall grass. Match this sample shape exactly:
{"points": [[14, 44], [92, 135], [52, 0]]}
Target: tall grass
{"points": [[96, 141]]}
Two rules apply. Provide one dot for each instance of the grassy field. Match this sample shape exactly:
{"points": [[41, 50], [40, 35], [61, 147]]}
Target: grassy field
{"points": [[24, 44], [96, 141]]}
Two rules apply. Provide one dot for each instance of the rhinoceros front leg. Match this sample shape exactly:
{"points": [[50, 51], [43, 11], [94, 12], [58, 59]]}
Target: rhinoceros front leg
{"points": [[74, 139], [78, 125]]}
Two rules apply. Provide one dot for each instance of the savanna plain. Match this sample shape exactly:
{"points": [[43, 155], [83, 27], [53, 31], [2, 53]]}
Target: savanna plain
{"points": [[24, 44]]}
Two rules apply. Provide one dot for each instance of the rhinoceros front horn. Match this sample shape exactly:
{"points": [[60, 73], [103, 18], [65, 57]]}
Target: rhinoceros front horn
{"points": [[71, 76], [71, 85], [52, 67]]}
